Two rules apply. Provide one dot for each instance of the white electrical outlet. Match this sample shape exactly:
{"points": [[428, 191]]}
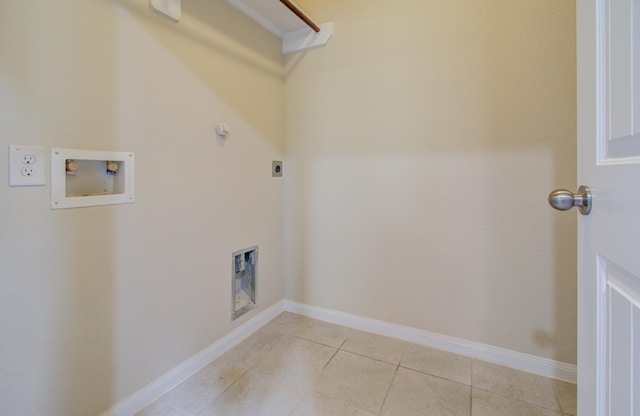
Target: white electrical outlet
{"points": [[26, 165]]}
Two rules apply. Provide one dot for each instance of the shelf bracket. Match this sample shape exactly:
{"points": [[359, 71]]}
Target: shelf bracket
{"points": [[304, 39], [286, 20]]}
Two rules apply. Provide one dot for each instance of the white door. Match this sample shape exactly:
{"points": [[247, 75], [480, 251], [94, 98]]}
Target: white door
{"points": [[609, 238]]}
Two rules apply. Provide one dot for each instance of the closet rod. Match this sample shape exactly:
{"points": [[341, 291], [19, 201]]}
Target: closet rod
{"points": [[291, 6]]}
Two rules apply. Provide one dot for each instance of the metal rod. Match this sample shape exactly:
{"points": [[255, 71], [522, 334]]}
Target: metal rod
{"points": [[291, 6]]}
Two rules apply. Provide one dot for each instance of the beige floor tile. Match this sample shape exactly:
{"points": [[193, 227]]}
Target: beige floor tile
{"points": [[272, 372], [310, 329], [567, 396], [299, 360], [200, 389], [256, 394], [157, 409], [360, 381], [515, 384], [286, 322], [438, 363], [255, 347], [375, 346], [415, 393], [316, 404], [320, 332], [490, 404]]}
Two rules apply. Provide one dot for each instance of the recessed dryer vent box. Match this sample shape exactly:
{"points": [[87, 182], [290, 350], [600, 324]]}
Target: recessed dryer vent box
{"points": [[243, 281], [84, 178]]}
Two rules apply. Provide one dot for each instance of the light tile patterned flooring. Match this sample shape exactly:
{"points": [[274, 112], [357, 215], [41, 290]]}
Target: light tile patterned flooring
{"points": [[295, 365]]}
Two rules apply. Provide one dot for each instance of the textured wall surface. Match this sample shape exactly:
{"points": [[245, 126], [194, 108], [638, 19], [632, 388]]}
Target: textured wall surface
{"points": [[421, 145], [97, 302]]}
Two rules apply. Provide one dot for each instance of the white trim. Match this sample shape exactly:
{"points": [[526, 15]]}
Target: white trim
{"points": [[295, 35], [305, 39], [258, 17], [525, 362], [152, 391]]}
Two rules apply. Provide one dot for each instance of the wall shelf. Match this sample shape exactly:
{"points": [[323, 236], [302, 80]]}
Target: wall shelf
{"points": [[287, 21]]}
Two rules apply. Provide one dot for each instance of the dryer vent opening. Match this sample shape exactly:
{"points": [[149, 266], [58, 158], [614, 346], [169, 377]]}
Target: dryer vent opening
{"points": [[244, 272]]}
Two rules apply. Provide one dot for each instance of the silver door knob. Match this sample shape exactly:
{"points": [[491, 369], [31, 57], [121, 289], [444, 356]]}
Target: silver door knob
{"points": [[563, 199]]}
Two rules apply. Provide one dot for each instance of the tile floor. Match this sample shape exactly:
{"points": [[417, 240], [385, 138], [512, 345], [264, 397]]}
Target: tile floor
{"points": [[295, 365]]}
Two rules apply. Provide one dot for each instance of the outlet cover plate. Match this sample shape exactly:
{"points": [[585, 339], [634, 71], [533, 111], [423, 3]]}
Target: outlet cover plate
{"points": [[276, 168], [27, 165]]}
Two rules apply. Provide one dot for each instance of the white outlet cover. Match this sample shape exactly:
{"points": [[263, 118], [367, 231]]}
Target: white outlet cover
{"points": [[27, 165], [169, 8]]}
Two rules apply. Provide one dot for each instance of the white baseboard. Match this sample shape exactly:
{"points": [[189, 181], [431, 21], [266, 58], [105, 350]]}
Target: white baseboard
{"points": [[154, 390], [525, 362], [517, 360]]}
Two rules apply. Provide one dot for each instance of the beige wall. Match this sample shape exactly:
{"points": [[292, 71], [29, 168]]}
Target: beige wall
{"points": [[97, 302], [421, 144]]}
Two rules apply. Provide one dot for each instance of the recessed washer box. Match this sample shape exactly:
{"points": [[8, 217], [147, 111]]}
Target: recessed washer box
{"points": [[84, 178]]}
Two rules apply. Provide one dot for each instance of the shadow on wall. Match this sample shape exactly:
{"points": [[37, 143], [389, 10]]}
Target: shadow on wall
{"points": [[58, 274], [465, 113], [81, 74], [210, 40]]}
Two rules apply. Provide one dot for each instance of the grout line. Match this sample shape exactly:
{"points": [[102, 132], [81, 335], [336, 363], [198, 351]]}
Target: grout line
{"points": [[371, 358], [388, 389], [473, 371], [435, 376], [229, 386], [334, 354], [315, 342], [555, 391], [474, 362], [521, 361]]}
